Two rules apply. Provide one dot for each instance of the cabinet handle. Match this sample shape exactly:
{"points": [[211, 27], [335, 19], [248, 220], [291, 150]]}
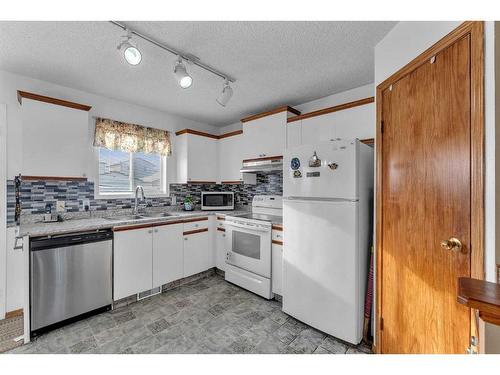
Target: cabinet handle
{"points": [[223, 234], [156, 230], [185, 238], [196, 225], [150, 231]]}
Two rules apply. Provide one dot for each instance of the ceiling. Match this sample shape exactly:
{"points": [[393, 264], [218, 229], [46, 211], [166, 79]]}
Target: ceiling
{"points": [[274, 63]]}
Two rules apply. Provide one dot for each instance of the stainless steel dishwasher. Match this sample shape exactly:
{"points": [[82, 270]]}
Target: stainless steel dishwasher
{"points": [[70, 277]]}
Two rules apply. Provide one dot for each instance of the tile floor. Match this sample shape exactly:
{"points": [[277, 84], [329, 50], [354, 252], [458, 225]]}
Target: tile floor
{"points": [[206, 316]]}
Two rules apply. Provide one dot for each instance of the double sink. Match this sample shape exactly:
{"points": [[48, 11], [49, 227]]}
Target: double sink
{"points": [[141, 216]]}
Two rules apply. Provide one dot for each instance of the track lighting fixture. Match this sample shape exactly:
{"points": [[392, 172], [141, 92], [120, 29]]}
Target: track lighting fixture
{"points": [[226, 94], [181, 74], [130, 52]]}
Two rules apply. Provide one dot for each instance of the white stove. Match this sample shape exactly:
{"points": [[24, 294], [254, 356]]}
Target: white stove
{"points": [[248, 239]]}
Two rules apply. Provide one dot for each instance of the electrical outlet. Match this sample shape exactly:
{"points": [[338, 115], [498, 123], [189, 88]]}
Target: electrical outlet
{"points": [[86, 204], [60, 206]]}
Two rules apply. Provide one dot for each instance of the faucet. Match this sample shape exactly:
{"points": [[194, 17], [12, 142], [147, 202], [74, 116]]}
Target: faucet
{"points": [[139, 187]]}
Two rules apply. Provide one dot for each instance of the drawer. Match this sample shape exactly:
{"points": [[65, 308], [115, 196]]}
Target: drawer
{"points": [[195, 223], [277, 235]]}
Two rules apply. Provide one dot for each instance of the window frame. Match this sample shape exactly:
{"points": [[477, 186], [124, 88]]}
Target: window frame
{"points": [[98, 194]]}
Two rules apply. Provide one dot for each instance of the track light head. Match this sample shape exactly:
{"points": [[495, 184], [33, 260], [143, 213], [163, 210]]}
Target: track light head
{"points": [[130, 51], [225, 95], [181, 74]]}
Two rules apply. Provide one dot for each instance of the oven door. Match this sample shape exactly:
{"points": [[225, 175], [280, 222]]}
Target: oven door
{"points": [[249, 246]]}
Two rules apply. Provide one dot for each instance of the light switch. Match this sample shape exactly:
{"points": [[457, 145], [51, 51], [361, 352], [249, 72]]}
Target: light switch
{"points": [[60, 206]]}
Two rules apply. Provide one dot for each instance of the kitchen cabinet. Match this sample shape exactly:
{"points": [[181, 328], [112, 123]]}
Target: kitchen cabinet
{"points": [[132, 262], [196, 158], [277, 268], [220, 245], [168, 253], [294, 134], [230, 157], [196, 251], [265, 136]]}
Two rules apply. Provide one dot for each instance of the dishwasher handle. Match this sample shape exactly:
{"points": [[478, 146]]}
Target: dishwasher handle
{"points": [[44, 243]]}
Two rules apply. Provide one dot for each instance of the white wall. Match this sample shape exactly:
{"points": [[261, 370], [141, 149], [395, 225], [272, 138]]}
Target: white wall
{"points": [[405, 42], [101, 107]]}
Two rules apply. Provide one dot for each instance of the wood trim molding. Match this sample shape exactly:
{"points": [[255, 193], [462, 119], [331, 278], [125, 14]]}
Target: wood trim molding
{"points": [[230, 134], [284, 108], [221, 218], [14, 313], [195, 219], [266, 158], [208, 135], [368, 141], [236, 182], [481, 295], [161, 224], [196, 132], [52, 178], [48, 99], [132, 227], [476, 31], [187, 233], [336, 108], [202, 182], [277, 227], [221, 229], [276, 242]]}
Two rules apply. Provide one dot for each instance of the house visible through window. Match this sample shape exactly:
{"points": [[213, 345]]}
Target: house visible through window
{"points": [[120, 172]]}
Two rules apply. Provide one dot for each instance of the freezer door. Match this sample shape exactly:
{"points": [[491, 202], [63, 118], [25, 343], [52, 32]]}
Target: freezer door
{"points": [[335, 177], [323, 275]]}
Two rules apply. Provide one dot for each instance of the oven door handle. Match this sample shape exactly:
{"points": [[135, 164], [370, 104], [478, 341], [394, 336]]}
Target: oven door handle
{"points": [[254, 228]]}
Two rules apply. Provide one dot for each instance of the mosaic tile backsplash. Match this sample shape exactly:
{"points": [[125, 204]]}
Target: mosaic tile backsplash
{"points": [[35, 195]]}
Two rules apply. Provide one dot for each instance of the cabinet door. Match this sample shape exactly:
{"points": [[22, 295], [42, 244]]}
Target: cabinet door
{"points": [[196, 251], [277, 268], [230, 157], [221, 250], [133, 257], [202, 158], [294, 134], [265, 136], [168, 254]]}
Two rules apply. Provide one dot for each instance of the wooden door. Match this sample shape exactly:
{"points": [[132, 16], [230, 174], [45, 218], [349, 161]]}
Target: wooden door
{"points": [[426, 198]]}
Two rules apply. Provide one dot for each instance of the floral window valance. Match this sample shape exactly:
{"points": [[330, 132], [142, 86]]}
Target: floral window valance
{"points": [[120, 136]]}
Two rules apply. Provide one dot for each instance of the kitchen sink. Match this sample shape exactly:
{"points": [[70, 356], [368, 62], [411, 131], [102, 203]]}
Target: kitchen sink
{"points": [[159, 214]]}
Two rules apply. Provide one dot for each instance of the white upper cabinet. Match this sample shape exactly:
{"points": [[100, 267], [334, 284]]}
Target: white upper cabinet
{"points": [[56, 140], [265, 136], [230, 158], [357, 122], [196, 158]]}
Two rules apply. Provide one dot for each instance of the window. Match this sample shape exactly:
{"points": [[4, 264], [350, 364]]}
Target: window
{"points": [[120, 172]]}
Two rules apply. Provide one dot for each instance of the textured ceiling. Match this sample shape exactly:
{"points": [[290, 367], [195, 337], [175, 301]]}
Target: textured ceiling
{"points": [[274, 63]]}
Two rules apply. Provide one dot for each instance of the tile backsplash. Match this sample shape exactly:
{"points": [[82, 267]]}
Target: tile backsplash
{"points": [[35, 195]]}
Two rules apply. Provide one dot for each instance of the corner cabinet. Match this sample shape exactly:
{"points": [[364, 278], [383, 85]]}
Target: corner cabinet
{"points": [[230, 157], [196, 158], [264, 134]]}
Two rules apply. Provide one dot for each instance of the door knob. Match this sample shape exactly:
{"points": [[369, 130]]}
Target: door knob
{"points": [[453, 244]]}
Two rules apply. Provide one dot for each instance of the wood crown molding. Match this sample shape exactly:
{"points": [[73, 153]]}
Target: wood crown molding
{"points": [[481, 295], [265, 158], [368, 141], [208, 135], [48, 99], [284, 108], [336, 108], [52, 178]]}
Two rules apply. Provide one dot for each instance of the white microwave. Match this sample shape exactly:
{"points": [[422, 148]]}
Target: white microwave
{"points": [[217, 200]]}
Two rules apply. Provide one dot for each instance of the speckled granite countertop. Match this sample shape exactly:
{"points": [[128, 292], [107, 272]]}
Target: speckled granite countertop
{"points": [[95, 223]]}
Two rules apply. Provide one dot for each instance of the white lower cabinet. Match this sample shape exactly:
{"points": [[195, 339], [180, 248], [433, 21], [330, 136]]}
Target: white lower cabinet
{"points": [[277, 269], [168, 254], [220, 250], [132, 262], [196, 252]]}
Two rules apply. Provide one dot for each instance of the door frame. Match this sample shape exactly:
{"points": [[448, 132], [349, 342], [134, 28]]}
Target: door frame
{"points": [[475, 29], [3, 210]]}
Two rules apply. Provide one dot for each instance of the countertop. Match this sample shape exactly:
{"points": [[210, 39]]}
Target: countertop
{"points": [[87, 224]]}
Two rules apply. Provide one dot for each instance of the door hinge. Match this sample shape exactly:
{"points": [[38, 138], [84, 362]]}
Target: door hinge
{"points": [[381, 324], [472, 349]]}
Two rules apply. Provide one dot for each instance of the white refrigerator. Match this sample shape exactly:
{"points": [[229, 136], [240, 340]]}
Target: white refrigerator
{"points": [[327, 223]]}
